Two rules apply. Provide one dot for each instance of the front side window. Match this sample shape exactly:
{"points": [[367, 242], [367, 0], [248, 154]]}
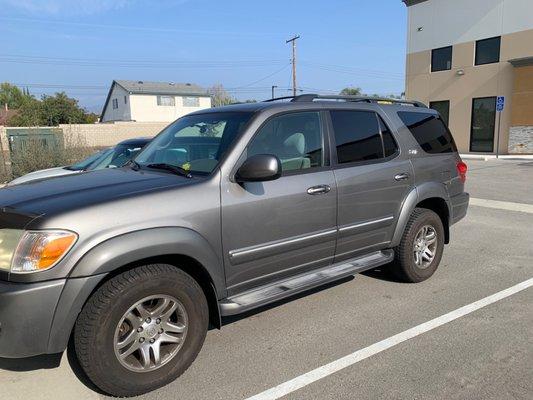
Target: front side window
{"points": [[429, 131], [296, 139], [357, 136], [483, 122], [488, 51], [191, 102], [443, 107], [195, 143], [441, 59], [165, 101]]}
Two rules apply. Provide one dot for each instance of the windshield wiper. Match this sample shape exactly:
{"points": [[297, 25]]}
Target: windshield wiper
{"points": [[172, 168]]}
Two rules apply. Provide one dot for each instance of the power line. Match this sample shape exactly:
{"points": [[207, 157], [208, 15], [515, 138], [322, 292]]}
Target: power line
{"points": [[23, 59], [139, 28], [264, 78]]}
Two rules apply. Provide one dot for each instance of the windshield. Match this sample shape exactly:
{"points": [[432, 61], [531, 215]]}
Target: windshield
{"points": [[83, 164], [195, 143], [115, 157]]}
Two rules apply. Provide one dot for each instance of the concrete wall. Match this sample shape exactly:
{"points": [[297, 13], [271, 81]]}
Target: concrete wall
{"points": [[103, 135], [123, 112], [144, 108], [521, 140]]}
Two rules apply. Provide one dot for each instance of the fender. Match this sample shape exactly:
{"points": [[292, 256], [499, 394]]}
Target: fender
{"points": [[114, 253], [130, 247], [416, 195]]}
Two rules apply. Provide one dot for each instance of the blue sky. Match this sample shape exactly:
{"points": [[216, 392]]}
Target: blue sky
{"points": [[80, 46]]}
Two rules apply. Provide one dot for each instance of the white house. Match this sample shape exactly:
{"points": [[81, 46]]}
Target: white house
{"points": [[152, 101]]}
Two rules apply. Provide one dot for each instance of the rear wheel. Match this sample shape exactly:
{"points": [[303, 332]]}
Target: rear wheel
{"points": [[420, 250], [141, 329]]}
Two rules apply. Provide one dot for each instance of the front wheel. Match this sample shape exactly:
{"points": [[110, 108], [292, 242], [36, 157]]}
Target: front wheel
{"points": [[420, 250], [141, 329]]}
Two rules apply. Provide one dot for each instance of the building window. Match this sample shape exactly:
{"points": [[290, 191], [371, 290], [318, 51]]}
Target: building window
{"points": [[441, 59], [165, 101], [443, 107], [483, 122], [125, 99], [191, 102], [115, 104], [488, 51]]}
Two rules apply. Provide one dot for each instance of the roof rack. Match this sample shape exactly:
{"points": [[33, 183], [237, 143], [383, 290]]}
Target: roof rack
{"points": [[354, 99]]}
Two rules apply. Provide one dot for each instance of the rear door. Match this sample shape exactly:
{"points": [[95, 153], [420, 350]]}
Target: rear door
{"points": [[373, 178]]}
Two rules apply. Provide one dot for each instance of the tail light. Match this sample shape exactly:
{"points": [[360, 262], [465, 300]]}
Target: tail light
{"points": [[461, 170]]}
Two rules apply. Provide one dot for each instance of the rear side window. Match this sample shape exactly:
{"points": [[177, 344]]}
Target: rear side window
{"points": [[429, 131], [357, 136]]}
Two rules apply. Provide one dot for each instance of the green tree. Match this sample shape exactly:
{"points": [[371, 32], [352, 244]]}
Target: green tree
{"points": [[28, 113], [219, 96], [12, 96], [50, 111], [351, 91]]}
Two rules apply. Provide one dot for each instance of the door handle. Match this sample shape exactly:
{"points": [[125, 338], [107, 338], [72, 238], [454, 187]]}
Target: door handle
{"points": [[320, 189], [401, 177]]}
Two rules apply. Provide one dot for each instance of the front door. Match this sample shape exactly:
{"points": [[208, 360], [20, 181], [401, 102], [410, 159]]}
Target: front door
{"points": [[372, 178], [275, 229]]}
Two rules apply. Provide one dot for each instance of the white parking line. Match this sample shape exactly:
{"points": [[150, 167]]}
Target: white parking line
{"points": [[335, 366], [502, 205]]}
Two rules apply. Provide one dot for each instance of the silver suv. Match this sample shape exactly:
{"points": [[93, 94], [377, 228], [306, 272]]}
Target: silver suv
{"points": [[226, 210]]}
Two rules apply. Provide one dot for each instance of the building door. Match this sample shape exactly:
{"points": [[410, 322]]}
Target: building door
{"points": [[483, 123]]}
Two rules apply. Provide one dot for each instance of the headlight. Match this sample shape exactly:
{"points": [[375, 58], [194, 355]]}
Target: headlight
{"points": [[31, 251]]}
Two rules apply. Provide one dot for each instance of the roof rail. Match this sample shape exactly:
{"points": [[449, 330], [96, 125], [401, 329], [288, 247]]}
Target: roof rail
{"points": [[355, 99]]}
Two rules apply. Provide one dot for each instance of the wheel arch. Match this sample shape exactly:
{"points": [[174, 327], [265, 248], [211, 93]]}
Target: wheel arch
{"points": [[125, 252], [431, 195]]}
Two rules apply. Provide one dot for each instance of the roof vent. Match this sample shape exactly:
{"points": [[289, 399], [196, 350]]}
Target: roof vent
{"points": [[187, 84], [140, 82], [172, 83]]}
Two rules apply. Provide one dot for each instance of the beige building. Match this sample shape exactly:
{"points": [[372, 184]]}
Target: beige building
{"points": [[152, 101], [462, 56]]}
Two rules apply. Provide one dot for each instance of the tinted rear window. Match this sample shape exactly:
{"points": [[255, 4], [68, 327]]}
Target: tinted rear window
{"points": [[357, 136], [429, 131]]}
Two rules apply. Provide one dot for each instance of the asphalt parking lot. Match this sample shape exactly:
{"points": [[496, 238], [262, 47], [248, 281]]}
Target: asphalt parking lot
{"points": [[485, 354]]}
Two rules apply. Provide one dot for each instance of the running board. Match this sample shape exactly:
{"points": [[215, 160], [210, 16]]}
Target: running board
{"points": [[288, 287]]}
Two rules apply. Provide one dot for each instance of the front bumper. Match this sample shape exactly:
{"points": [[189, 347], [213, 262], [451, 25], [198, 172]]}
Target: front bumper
{"points": [[26, 314]]}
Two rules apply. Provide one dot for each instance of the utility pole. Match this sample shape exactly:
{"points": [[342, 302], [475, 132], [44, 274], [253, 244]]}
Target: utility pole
{"points": [[293, 41], [273, 87]]}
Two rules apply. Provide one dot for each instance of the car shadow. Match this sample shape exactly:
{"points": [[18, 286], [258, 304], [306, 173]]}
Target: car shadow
{"points": [[78, 370], [45, 361], [382, 273]]}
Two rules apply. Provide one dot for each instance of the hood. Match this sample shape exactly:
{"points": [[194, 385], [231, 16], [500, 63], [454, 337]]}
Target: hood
{"points": [[41, 174], [65, 193]]}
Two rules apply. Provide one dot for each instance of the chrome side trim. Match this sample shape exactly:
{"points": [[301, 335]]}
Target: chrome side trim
{"points": [[253, 252], [363, 225]]}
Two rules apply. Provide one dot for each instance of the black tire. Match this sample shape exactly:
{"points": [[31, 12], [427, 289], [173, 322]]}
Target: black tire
{"points": [[404, 267], [95, 328]]}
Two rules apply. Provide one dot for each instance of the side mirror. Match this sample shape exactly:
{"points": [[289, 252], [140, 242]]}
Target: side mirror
{"points": [[259, 168]]}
